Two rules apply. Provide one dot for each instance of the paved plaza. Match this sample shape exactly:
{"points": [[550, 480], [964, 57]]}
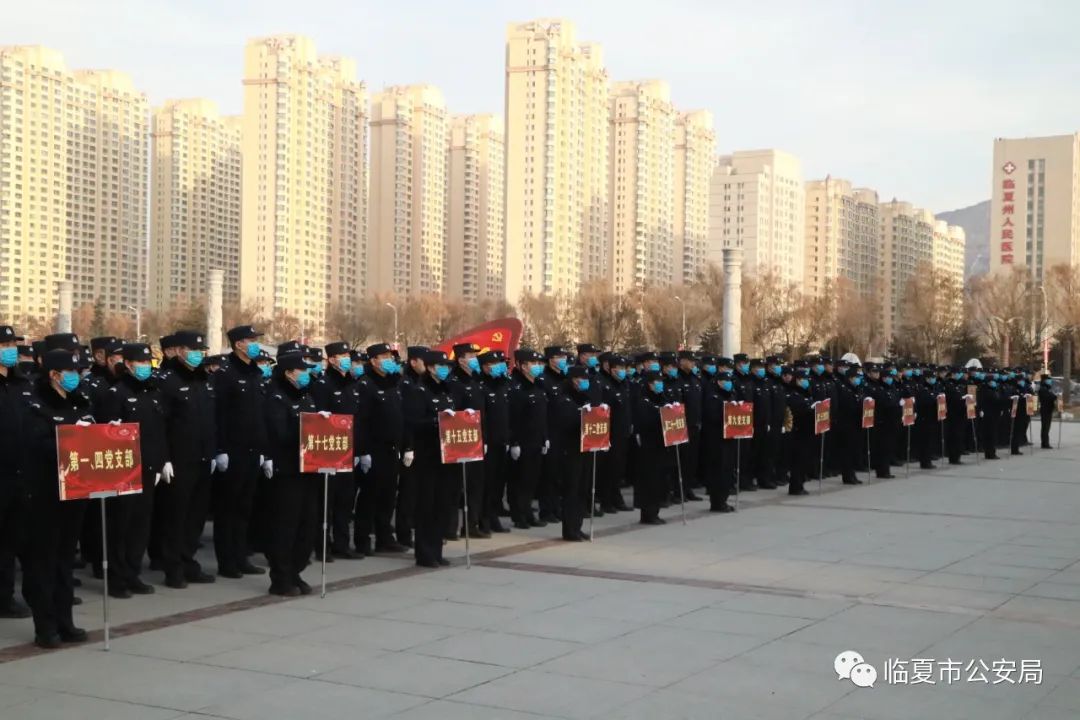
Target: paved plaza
{"points": [[947, 584]]}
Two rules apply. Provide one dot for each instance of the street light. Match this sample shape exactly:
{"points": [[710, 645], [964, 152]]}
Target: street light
{"points": [[392, 307], [138, 322], [1005, 353], [683, 321], [1045, 328]]}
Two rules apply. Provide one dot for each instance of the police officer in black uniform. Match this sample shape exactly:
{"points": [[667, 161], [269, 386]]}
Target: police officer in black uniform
{"points": [[718, 455], [551, 480], [494, 373], [655, 463], [15, 392], [576, 483], [528, 439], [413, 373], [615, 392], [988, 401], [188, 398], [1047, 404], [242, 451], [800, 438], [848, 422], [764, 419], [336, 392], [469, 393]]}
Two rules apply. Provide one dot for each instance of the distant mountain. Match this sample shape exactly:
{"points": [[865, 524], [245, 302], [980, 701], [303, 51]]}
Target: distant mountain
{"points": [[976, 223]]}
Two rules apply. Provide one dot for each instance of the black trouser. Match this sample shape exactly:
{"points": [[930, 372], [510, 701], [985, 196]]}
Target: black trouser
{"points": [[474, 491], [762, 463], [293, 500], [54, 528], [720, 470], [689, 453], [846, 445], [1046, 421], [956, 430], [575, 496], [431, 478], [181, 516], [883, 451], [798, 452], [339, 508], [90, 539], [129, 519], [234, 497], [13, 504], [550, 482], [1019, 430], [527, 469], [988, 431], [611, 472], [652, 476], [925, 436], [496, 467], [746, 466], [406, 504], [375, 499]]}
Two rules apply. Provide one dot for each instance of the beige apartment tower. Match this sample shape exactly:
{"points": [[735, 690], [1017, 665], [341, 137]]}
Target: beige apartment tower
{"points": [[842, 236], [304, 207], [1035, 207], [642, 181], [408, 221], [556, 120], [194, 203], [757, 202], [695, 148], [73, 185], [476, 236]]}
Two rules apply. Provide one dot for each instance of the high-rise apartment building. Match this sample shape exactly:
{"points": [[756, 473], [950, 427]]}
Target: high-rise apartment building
{"points": [[1035, 210], [304, 204], [73, 185], [757, 202], [842, 236], [194, 203], [695, 149], [408, 221], [642, 181], [476, 237], [556, 120], [907, 244]]}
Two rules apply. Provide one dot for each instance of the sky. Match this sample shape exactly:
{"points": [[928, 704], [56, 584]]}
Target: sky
{"points": [[903, 97]]}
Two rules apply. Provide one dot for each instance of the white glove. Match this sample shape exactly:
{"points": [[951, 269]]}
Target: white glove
{"points": [[268, 468], [485, 448], [407, 458], [515, 452], [222, 462], [544, 449], [637, 439], [324, 413], [213, 466], [604, 406], [82, 423], [586, 406], [262, 459], [157, 479], [451, 413], [114, 422], [167, 472], [365, 463], [355, 461]]}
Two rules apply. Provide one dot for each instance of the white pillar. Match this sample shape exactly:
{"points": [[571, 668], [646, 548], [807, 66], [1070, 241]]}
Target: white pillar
{"points": [[63, 317], [213, 310], [732, 334]]}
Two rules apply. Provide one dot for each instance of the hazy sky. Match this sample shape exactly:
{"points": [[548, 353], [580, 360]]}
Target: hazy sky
{"points": [[903, 97]]}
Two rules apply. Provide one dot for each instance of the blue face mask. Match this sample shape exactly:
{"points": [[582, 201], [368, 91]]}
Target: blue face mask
{"points": [[389, 366], [253, 349], [957, 376], [695, 370], [917, 372], [658, 386], [980, 376], [931, 380], [69, 380], [620, 374], [993, 383], [303, 379], [194, 358], [888, 380], [804, 383], [710, 369], [856, 380], [759, 372], [743, 367], [893, 372], [499, 369], [536, 370], [907, 374], [652, 366], [316, 369], [672, 372], [726, 385], [592, 361], [442, 371], [474, 365], [344, 364], [142, 372], [9, 356], [775, 370], [267, 371], [583, 385], [562, 364], [819, 369], [631, 371], [357, 370], [1048, 383]]}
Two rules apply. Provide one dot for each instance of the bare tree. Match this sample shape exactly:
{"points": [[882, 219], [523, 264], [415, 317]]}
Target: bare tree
{"points": [[1063, 299], [932, 314], [1003, 311], [545, 319], [346, 322]]}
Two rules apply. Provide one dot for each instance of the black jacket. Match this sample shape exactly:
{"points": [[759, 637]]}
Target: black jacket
{"points": [[284, 403], [497, 410], [44, 411], [567, 416], [424, 400], [380, 414], [618, 396], [15, 392], [135, 401], [191, 416], [241, 414], [528, 413]]}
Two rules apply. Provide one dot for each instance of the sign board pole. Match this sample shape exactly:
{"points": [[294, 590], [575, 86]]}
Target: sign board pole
{"points": [[907, 460], [821, 463], [682, 498], [942, 425], [738, 470], [465, 504], [869, 462], [326, 473], [592, 497], [103, 496], [975, 437], [1060, 413]]}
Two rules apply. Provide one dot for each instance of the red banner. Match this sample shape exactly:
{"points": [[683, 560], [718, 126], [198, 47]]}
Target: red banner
{"points": [[907, 411], [673, 424], [972, 390], [822, 422], [738, 420], [326, 443], [1015, 400], [942, 408], [595, 429], [461, 439], [969, 402], [98, 458], [504, 334], [868, 405], [1032, 405]]}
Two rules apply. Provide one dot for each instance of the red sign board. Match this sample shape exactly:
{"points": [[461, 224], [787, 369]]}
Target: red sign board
{"points": [[326, 443], [868, 405], [1032, 405], [822, 422], [595, 428], [1012, 407], [673, 424], [738, 420], [942, 408], [98, 458], [969, 401], [907, 412], [461, 438]]}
